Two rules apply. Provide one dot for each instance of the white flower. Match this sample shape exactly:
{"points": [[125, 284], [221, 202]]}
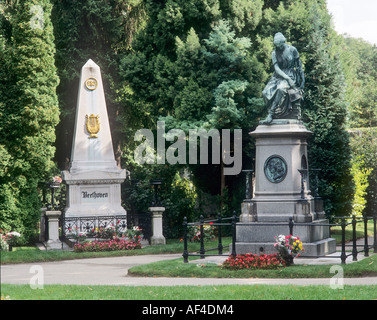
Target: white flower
{"points": [[14, 234]]}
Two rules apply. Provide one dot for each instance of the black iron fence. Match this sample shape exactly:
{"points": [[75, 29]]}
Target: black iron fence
{"points": [[365, 247], [220, 223], [73, 225]]}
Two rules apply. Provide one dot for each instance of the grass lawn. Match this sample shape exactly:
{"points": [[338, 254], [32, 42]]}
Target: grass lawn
{"points": [[222, 292], [33, 254], [336, 232], [176, 268]]}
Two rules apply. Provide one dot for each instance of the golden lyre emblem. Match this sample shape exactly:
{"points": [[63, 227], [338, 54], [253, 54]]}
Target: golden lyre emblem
{"points": [[92, 125]]}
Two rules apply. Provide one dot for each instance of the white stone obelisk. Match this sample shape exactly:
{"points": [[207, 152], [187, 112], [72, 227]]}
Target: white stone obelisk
{"points": [[94, 179]]}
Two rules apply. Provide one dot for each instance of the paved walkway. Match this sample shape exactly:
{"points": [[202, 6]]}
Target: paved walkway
{"points": [[114, 270]]}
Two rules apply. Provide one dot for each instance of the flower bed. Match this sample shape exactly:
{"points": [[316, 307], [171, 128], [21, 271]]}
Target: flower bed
{"points": [[110, 245], [109, 232], [253, 261]]}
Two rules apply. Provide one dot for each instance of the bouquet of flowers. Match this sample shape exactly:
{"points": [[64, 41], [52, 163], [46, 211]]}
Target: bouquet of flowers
{"points": [[288, 247]]}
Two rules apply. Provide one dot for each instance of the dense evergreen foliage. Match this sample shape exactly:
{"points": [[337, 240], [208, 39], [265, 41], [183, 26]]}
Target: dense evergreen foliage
{"points": [[29, 112], [360, 67], [325, 113], [96, 30], [364, 150]]}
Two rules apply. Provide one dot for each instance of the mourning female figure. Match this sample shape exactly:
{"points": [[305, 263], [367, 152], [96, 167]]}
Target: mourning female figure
{"points": [[284, 91]]}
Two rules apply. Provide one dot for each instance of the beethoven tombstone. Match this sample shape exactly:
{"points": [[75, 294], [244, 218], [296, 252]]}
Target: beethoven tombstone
{"points": [[281, 167], [93, 179]]}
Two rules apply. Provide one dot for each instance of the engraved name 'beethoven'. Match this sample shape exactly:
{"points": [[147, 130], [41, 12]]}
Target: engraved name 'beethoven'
{"points": [[94, 195]]}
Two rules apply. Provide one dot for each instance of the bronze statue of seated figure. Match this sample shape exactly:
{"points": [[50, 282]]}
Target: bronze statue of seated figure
{"points": [[284, 91]]}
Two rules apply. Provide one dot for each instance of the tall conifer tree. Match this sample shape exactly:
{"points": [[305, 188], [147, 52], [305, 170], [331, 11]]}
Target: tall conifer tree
{"points": [[325, 115], [29, 112]]}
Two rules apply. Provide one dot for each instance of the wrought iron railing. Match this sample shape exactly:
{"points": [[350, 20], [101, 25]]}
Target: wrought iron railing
{"points": [[344, 222], [219, 223], [90, 223]]}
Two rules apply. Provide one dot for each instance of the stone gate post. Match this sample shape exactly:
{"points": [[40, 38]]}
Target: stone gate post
{"points": [[53, 241], [157, 235]]}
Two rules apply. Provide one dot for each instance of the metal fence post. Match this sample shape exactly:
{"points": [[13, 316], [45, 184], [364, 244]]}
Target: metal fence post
{"points": [[185, 252], [343, 256], [234, 225], [291, 226], [62, 226], [375, 234], [354, 248], [366, 246], [202, 251], [220, 246]]}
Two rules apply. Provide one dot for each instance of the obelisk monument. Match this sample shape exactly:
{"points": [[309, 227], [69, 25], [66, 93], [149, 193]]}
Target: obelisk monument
{"points": [[93, 179]]}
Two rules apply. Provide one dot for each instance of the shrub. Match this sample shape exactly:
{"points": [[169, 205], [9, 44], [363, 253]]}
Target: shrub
{"points": [[9, 239], [208, 232], [135, 234], [252, 262], [108, 232], [13, 238], [3, 243], [76, 234]]}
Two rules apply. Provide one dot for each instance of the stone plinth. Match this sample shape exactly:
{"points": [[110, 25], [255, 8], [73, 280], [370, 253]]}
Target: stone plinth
{"points": [[53, 241], [259, 238], [157, 229], [278, 197], [282, 191], [94, 193]]}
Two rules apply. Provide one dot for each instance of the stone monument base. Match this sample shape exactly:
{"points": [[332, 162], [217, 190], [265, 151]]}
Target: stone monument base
{"points": [[258, 237], [94, 193]]}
